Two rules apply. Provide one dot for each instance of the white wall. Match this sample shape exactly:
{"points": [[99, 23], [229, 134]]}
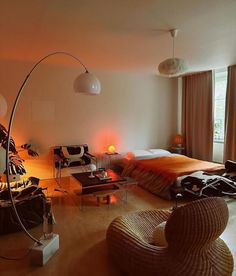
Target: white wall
{"points": [[134, 110]]}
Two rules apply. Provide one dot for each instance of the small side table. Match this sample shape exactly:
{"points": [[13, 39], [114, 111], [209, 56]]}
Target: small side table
{"points": [[179, 150], [110, 159], [125, 187]]}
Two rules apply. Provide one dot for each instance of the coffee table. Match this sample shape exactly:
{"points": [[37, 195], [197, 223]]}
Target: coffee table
{"points": [[97, 187]]}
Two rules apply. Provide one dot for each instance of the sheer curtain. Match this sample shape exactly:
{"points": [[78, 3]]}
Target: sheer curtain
{"points": [[197, 115], [230, 116]]}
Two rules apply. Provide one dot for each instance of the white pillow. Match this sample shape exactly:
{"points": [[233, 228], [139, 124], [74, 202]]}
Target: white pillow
{"points": [[145, 157], [147, 154], [138, 153], [160, 152], [158, 235]]}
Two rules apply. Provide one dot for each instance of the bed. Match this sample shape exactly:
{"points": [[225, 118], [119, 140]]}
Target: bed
{"points": [[157, 170]]}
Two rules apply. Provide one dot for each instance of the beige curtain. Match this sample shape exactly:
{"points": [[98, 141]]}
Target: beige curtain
{"points": [[230, 116], [197, 115]]}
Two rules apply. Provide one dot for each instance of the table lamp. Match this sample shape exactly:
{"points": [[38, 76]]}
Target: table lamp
{"points": [[111, 149], [178, 140], [92, 168]]}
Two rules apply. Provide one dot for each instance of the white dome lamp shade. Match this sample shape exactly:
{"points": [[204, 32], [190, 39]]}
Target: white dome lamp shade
{"points": [[173, 66], [87, 83], [3, 106]]}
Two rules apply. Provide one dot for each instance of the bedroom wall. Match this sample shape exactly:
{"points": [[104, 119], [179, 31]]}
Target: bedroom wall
{"points": [[134, 110]]}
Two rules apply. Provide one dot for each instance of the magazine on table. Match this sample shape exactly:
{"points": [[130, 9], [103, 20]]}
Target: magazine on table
{"points": [[103, 176]]}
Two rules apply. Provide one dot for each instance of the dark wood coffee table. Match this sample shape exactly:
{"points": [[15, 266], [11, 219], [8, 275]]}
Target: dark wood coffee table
{"points": [[97, 187]]}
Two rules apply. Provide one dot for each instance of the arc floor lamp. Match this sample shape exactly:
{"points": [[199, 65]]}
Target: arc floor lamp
{"points": [[85, 83]]}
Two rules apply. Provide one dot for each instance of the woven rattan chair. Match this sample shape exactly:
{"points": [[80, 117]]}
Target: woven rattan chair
{"points": [[192, 232]]}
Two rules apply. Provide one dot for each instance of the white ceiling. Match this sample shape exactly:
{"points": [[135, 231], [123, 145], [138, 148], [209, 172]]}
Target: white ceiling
{"points": [[121, 35]]}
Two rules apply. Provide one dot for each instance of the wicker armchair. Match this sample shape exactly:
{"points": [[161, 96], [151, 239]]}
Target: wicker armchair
{"points": [[192, 232]]}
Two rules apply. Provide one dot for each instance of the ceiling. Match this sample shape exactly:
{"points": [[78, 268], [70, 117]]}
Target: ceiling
{"points": [[125, 35]]}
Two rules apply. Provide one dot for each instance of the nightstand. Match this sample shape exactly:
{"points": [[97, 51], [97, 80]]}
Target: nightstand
{"points": [[110, 159], [179, 150]]}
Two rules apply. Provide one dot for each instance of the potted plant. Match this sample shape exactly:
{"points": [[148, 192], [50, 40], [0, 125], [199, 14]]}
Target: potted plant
{"points": [[16, 166]]}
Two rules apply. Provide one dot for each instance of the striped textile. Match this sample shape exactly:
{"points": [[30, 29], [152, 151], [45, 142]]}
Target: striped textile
{"points": [[152, 182]]}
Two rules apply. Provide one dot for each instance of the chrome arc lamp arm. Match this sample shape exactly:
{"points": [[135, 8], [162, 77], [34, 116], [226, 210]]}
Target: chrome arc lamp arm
{"points": [[85, 83]]}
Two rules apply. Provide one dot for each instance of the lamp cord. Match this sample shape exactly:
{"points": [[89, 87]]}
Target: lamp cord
{"points": [[9, 135], [16, 258]]}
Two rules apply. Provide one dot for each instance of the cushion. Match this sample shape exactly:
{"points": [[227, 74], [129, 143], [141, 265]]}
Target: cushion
{"points": [[159, 237], [138, 153], [71, 156], [21, 189], [159, 152], [73, 153], [18, 185], [147, 154]]}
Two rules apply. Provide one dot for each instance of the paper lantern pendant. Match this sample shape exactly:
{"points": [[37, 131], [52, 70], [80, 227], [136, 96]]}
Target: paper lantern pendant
{"points": [[173, 66]]}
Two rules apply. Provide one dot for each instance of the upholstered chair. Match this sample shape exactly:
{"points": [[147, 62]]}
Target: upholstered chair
{"points": [[192, 233]]}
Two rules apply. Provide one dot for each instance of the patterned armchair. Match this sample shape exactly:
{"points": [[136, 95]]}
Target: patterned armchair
{"points": [[192, 232], [71, 156]]}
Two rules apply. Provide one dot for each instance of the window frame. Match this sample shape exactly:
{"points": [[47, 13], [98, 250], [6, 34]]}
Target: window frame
{"points": [[219, 74]]}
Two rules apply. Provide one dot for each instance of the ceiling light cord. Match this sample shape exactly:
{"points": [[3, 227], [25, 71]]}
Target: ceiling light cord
{"points": [[173, 34], [172, 67], [173, 50], [9, 135]]}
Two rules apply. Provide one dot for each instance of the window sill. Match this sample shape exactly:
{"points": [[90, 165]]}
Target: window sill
{"points": [[218, 142]]}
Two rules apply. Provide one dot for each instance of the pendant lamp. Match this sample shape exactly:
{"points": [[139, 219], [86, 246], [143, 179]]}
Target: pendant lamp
{"points": [[172, 66]]}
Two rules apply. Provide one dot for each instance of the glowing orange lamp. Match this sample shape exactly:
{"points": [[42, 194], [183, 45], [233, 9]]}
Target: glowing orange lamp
{"points": [[111, 149], [178, 141]]}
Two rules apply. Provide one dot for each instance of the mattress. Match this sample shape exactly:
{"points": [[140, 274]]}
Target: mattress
{"points": [[159, 174]]}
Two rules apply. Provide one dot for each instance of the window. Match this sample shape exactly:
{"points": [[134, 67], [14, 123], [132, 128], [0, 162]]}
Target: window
{"points": [[219, 104]]}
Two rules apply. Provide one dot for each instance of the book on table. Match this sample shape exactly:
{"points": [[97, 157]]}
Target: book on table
{"points": [[102, 177]]}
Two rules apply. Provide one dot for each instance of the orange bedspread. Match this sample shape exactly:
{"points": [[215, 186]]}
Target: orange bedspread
{"points": [[174, 166]]}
